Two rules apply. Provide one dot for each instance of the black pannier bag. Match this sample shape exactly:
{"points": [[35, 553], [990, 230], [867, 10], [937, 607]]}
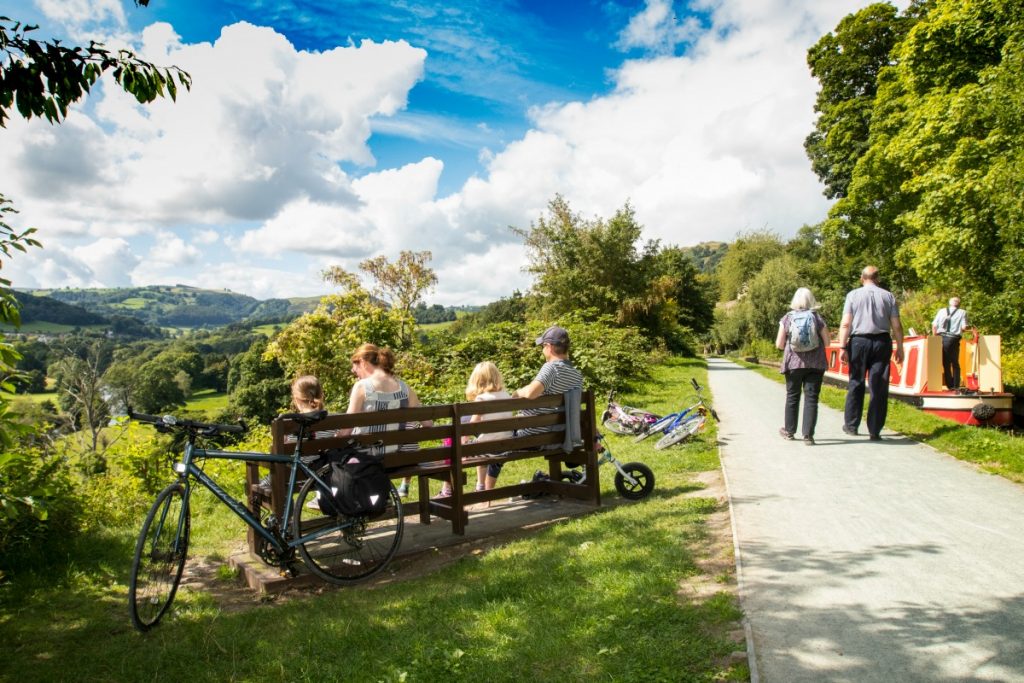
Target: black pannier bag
{"points": [[358, 483]]}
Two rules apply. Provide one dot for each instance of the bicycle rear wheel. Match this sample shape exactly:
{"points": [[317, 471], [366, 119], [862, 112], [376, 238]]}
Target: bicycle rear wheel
{"points": [[613, 425], [655, 428], [342, 548], [680, 433], [159, 558]]}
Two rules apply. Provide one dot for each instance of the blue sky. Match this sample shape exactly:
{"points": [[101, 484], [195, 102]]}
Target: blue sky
{"points": [[322, 132]]}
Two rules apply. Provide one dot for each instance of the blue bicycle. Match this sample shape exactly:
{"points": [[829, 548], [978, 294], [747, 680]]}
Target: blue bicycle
{"points": [[679, 426]]}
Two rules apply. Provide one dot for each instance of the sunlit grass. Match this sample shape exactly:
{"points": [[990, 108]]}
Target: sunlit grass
{"points": [[593, 598]]}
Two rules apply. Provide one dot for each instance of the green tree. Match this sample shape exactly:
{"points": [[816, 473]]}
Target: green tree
{"points": [[257, 385], [846, 63], [745, 258], [591, 264], [935, 200], [321, 342], [160, 386], [43, 78], [401, 284]]}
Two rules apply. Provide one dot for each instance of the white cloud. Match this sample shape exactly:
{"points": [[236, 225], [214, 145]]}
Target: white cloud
{"points": [[263, 125], [704, 145], [657, 28], [170, 250], [81, 12]]}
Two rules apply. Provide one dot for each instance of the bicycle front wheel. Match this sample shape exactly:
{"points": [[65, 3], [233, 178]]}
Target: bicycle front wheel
{"points": [[159, 558], [342, 549], [642, 484], [680, 433]]}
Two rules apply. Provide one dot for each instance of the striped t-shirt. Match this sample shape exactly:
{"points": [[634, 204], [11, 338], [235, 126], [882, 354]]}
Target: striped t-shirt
{"points": [[558, 377]]}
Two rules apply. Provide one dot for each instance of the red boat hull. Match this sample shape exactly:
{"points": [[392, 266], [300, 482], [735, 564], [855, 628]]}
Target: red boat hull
{"points": [[909, 381]]}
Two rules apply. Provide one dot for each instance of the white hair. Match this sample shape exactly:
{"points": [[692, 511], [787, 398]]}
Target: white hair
{"points": [[803, 300], [954, 302]]}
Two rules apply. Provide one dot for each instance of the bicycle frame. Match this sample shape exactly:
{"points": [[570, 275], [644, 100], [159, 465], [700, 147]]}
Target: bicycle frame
{"points": [[188, 471], [673, 420]]}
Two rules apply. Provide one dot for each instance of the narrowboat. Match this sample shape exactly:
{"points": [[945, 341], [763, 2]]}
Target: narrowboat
{"points": [[918, 380]]}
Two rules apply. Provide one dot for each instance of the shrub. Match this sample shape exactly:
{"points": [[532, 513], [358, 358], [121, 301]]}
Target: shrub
{"points": [[40, 508]]}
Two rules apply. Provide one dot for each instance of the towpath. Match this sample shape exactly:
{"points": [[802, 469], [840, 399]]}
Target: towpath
{"points": [[867, 561]]}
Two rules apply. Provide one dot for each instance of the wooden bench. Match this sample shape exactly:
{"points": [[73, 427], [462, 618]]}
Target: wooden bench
{"points": [[427, 460]]}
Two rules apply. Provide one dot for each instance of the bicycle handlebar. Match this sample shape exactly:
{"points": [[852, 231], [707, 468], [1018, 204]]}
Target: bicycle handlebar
{"points": [[172, 422]]}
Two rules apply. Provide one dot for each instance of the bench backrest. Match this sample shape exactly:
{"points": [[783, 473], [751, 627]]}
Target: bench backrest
{"points": [[418, 444]]}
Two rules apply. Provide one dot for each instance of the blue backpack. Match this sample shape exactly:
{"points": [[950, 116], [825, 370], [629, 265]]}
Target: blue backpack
{"points": [[803, 331]]}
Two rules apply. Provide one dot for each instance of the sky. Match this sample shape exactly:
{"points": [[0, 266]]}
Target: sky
{"points": [[324, 132]]}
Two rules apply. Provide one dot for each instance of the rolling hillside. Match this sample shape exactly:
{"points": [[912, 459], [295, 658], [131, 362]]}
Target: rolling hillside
{"points": [[160, 306]]}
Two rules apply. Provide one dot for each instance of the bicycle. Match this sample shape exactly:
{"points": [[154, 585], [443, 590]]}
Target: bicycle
{"points": [[337, 548], [633, 480], [679, 426], [626, 420]]}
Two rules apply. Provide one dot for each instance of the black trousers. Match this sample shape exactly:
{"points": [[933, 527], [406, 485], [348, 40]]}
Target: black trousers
{"points": [[868, 356], [809, 380], [951, 361]]}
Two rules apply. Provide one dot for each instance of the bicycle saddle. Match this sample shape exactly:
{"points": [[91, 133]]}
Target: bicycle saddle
{"points": [[312, 417]]}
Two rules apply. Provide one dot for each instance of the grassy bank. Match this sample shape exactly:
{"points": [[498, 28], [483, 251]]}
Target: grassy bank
{"points": [[992, 450], [597, 598]]}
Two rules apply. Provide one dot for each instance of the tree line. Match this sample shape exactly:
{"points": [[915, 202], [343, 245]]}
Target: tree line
{"points": [[920, 139]]}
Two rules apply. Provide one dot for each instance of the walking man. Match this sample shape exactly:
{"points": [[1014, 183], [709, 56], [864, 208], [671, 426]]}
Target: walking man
{"points": [[950, 323], [870, 314]]}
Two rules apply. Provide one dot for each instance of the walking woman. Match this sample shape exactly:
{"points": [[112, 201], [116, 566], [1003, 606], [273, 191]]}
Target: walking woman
{"points": [[803, 336]]}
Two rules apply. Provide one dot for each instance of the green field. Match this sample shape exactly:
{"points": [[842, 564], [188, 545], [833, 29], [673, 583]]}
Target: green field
{"points": [[18, 399], [207, 401], [268, 330]]}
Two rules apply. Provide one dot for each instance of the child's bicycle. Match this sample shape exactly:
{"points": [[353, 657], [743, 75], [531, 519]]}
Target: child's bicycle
{"points": [[626, 420], [633, 480], [677, 427], [335, 547]]}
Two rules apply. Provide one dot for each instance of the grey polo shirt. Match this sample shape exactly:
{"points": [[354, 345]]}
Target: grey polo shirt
{"points": [[872, 307]]}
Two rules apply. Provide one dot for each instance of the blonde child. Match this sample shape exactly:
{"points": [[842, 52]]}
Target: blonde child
{"points": [[487, 384]]}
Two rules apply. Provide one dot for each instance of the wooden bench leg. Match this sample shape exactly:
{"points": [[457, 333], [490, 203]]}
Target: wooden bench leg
{"points": [[424, 493]]}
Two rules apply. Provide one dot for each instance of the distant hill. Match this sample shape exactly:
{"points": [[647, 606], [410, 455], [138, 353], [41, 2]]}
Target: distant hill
{"points": [[706, 255], [171, 306], [45, 309]]}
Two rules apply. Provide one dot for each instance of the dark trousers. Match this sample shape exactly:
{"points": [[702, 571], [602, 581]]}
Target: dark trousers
{"points": [[809, 380], [951, 361], [868, 355]]}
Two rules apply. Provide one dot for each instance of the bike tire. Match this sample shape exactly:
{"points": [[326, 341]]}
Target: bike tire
{"points": [[159, 560], [680, 433], [644, 477], [352, 548], [613, 425], [654, 428]]}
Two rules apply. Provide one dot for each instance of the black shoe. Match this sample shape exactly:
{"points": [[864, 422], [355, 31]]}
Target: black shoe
{"points": [[852, 431], [875, 437], [808, 440], [784, 434]]}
